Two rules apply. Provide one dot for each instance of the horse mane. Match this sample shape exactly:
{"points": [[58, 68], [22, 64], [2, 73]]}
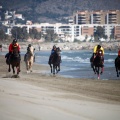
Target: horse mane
{"points": [[31, 49], [99, 53]]}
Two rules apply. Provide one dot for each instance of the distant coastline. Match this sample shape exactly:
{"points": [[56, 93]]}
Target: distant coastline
{"points": [[66, 45]]}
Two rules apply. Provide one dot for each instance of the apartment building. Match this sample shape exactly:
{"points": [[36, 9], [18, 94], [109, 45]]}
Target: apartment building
{"points": [[117, 32], [69, 32], [97, 17]]}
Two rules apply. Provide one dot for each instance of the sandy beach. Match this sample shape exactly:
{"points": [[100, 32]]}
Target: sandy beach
{"points": [[41, 96]]}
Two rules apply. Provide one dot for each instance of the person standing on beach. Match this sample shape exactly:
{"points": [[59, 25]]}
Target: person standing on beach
{"points": [[96, 48], [1, 47]]}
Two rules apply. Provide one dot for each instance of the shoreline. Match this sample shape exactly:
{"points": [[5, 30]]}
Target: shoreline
{"points": [[41, 71]]}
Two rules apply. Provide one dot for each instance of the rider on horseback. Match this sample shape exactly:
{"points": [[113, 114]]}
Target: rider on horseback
{"points": [[95, 51], [52, 52], [53, 49], [28, 51], [13, 45], [118, 57]]}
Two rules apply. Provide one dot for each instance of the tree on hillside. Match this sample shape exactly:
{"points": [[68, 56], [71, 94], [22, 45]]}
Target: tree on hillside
{"points": [[112, 36], [50, 36], [3, 36], [19, 33], [34, 34]]}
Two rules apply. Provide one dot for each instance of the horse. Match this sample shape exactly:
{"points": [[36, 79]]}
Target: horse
{"points": [[117, 65], [14, 60], [98, 63], [54, 61], [29, 59]]}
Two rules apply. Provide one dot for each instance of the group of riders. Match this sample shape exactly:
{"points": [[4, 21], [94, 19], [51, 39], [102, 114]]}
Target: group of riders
{"points": [[12, 46], [55, 49]]}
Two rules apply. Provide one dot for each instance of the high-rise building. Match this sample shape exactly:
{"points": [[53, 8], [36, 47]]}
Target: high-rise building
{"points": [[97, 17]]}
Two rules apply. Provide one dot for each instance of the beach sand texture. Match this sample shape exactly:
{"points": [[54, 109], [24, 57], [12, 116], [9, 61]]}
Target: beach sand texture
{"points": [[41, 96]]}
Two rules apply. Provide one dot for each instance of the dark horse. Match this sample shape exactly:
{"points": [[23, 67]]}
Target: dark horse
{"points": [[54, 61], [98, 63], [117, 65], [14, 61]]}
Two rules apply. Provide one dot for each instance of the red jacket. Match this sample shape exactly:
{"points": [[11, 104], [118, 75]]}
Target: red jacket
{"points": [[11, 47], [119, 52]]}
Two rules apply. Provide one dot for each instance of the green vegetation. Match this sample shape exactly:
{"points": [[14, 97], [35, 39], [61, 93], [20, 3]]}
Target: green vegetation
{"points": [[56, 10], [100, 33]]}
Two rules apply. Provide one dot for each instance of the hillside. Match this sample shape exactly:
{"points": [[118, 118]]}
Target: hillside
{"points": [[56, 10]]}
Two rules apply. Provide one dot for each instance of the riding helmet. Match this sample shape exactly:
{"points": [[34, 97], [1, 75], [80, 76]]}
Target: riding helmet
{"points": [[29, 45], [14, 40], [54, 46], [98, 47]]}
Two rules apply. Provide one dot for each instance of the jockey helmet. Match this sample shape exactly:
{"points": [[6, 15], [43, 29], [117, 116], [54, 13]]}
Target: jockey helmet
{"points": [[98, 47], [14, 41], [54, 46], [29, 45]]}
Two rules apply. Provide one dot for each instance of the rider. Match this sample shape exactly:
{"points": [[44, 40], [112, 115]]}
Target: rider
{"points": [[28, 51], [118, 57], [11, 46], [96, 48], [52, 51]]}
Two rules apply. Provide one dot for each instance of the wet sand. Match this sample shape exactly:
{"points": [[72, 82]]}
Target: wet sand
{"points": [[41, 96]]}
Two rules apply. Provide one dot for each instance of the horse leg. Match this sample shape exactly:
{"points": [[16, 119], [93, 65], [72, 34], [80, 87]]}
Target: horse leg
{"points": [[54, 69], [94, 69], [102, 69], [19, 67], [17, 70], [27, 66], [58, 67], [117, 71], [13, 69], [30, 67], [98, 73], [9, 69], [51, 67]]}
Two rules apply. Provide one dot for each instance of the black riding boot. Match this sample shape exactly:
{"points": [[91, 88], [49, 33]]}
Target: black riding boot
{"points": [[25, 57]]}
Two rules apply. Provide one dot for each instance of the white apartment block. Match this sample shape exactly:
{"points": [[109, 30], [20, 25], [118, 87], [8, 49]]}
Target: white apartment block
{"points": [[69, 32]]}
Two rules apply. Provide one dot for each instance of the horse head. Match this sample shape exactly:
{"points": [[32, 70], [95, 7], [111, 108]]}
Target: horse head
{"points": [[98, 63], [15, 52], [31, 50], [99, 53], [98, 60]]}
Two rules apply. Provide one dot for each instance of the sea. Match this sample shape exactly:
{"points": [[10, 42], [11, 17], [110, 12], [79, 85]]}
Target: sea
{"points": [[76, 64]]}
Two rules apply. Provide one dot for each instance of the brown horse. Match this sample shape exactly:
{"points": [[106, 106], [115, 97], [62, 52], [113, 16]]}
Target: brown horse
{"points": [[14, 61], [117, 65], [29, 59], [98, 63], [54, 61]]}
